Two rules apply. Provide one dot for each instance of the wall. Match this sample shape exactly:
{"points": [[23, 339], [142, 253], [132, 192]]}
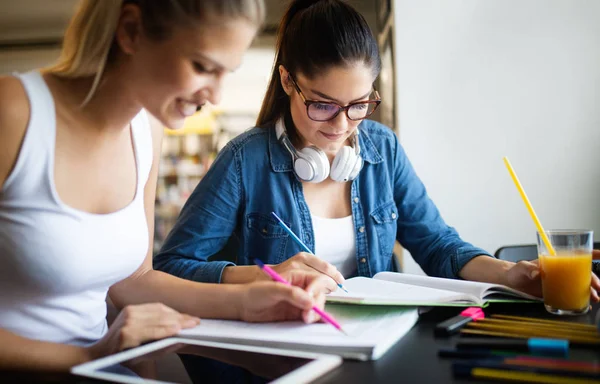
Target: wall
{"points": [[242, 89], [479, 80], [23, 60]]}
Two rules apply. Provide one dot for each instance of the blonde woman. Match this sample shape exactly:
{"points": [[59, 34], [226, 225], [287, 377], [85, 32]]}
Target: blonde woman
{"points": [[78, 170]]}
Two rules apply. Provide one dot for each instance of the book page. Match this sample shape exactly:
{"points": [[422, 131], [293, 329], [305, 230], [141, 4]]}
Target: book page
{"points": [[366, 327], [471, 287], [480, 290], [364, 290]]}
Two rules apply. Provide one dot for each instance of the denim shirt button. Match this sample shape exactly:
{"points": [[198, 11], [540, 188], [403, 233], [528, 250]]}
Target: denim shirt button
{"points": [[393, 215], [361, 229], [356, 200], [363, 260]]}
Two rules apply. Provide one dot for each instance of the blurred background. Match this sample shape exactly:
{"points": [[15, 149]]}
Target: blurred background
{"points": [[463, 84]]}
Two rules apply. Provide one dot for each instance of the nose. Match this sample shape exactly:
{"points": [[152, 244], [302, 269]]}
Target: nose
{"points": [[212, 90], [215, 94], [340, 122]]}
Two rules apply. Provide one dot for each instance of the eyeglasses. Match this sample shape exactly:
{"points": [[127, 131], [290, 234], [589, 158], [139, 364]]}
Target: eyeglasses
{"points": [[325, 111]]}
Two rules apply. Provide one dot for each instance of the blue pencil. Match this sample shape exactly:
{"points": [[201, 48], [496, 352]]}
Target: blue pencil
{"points": [[298, 241]]}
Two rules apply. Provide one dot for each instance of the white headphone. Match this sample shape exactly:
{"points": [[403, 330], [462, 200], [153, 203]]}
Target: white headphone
{"points": [[311, 163]]}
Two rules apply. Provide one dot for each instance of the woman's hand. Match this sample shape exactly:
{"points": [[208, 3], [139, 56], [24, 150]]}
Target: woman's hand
{"points": [[525, 276], [137, 324], [273, 301], [305, 265]]}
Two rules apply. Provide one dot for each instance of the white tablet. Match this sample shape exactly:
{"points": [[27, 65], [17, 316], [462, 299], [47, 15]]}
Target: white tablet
{"points": [[156, 363]]}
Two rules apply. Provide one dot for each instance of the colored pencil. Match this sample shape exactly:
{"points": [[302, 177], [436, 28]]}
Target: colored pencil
{"points": [[275, 276], [510, 334], [522, 374], [553, 347], [549, 326], [517, 358], [299, 242], [560, 323], [557, 333]]}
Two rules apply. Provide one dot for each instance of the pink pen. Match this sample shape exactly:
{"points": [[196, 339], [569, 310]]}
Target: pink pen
{"points": [[275, 276]]}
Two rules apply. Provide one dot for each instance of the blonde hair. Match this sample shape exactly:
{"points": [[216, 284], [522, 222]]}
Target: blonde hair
{"points": [[88, 45]]}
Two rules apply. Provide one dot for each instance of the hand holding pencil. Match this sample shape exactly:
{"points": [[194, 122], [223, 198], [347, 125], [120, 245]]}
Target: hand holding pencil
{"points": [[306, 260], [318, 310], [267, 301], [305, 265]]}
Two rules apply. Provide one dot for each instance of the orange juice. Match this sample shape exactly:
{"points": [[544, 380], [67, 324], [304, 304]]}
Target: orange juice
{"points": [[566, 280]]}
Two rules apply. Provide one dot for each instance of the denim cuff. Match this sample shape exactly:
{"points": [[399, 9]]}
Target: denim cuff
{"points": [[462, 256], [211, 272]]}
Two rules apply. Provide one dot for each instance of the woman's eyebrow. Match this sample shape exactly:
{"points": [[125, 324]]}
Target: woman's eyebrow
{"points": [[325, 96]]}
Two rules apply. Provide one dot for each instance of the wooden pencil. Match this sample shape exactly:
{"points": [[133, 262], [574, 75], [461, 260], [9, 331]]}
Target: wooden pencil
{"points": [[509, 334], [534, 331], [543, 326], [526, 377], [545, 321]]}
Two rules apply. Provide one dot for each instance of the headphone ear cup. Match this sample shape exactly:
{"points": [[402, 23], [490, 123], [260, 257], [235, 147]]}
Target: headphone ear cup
{"points": [[343, 164], [357, 167], [319, 161], [304, 169]]}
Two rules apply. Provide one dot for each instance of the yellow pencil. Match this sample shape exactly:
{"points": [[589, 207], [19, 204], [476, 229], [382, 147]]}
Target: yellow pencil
{"points": [[543, 326], [533, 332], [545, 321], [527, 377]]}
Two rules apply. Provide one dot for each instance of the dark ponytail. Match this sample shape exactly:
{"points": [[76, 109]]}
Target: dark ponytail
{"points": [[313, 36]]}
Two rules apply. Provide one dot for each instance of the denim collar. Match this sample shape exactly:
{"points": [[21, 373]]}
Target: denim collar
{"points": [[281, 161]]}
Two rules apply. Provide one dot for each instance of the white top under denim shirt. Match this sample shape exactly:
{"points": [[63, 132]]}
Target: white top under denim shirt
{"points": [[335, 242], [252, 177], [56, 262]]}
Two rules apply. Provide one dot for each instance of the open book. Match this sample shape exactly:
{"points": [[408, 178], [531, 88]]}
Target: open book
{"points": [[391, 288], [371, 332]]}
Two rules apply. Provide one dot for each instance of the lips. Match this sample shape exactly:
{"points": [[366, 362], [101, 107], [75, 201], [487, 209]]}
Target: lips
{"points": [[187, 108], [332, 136]]}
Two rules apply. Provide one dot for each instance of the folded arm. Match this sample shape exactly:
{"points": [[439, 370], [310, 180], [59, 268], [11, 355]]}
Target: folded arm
{"points": [[205, 224]]}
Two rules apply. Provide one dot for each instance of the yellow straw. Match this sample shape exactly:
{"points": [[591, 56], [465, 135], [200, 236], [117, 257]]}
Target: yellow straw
{"points": [[529, 207]]}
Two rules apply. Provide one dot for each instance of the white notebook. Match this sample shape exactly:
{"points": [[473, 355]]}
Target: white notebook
{"points": [[398, 289], [371, 332]]}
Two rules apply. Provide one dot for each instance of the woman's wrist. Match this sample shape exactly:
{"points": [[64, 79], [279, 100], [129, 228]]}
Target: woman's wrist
{"points": [[90, 353], [486, 269], [237, 300], [241, 274]]}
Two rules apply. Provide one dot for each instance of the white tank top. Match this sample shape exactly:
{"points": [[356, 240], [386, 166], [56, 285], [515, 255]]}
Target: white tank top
{"points": [[56, 262], [335, 242]]}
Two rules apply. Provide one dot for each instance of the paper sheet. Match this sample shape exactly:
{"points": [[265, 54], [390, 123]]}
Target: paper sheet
{"points": [[365, 326]]}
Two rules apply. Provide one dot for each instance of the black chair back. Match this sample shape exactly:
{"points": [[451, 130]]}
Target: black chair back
{"points": [[517, 253], [522, 252]]}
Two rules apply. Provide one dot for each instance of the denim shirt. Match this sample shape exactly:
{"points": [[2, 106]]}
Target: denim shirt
{"points": [[253, 176]]}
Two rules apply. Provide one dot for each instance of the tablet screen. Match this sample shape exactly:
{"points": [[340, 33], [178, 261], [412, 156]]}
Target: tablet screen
{"points": [[186, 362]]}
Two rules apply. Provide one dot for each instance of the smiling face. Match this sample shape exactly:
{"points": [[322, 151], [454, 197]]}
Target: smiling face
{"points": [[172, 77], [339, 84]]}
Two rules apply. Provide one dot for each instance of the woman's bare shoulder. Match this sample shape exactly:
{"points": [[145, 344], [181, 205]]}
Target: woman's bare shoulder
{"points": [[14, 116]]}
